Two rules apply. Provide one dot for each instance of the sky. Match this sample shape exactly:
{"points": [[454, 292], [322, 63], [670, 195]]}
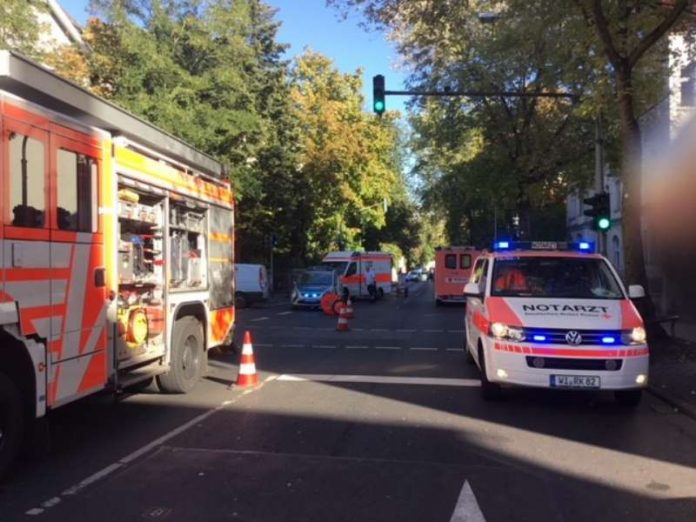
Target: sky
{"points": [[310, 23]]}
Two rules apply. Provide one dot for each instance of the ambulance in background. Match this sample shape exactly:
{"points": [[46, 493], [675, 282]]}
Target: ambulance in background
{"points": [[352, 269], [452, 271]]}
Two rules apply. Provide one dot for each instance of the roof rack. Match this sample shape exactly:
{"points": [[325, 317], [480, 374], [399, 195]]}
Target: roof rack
{"points": [[37, 84]]}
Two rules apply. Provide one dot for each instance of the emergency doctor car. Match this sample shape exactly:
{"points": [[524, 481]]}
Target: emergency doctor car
{"points": [[554, 315]]}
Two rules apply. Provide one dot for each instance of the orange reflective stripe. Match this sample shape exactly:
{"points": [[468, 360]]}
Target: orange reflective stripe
{"points": [[221, 322], [34, 274], [220, 237]]}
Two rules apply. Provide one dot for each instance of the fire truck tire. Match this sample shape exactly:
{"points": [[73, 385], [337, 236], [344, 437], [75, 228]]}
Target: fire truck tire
{"points": [[188, 357], [11, 423]]}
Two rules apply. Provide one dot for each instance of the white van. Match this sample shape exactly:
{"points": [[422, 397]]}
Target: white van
{"points": [[250, 284]]}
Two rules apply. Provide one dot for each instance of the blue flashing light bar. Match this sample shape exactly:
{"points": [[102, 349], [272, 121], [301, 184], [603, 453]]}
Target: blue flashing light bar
{"points": [[579, 246], [539, 338]]}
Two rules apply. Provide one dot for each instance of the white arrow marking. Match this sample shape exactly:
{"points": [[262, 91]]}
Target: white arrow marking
{"points": [[467, 509]]}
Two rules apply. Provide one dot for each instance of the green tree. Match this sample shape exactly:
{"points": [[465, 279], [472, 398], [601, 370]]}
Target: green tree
{"points": [[349, 159], [20, 27]]}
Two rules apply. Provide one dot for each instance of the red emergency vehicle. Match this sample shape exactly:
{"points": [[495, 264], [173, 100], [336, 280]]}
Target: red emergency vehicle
{"points": [[116, 251], [452, 271]]}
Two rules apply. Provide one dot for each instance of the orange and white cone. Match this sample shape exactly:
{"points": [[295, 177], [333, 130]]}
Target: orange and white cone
{"points": [[247, 367], [342, 325], [349, 309]]}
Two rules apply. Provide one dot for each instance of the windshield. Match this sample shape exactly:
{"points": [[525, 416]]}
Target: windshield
{"points": [[338, 266], [554, 277], [315, 279]]}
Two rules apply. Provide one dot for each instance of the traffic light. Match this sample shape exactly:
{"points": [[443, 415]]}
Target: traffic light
{"points": [[378, 103], [600, 211]]}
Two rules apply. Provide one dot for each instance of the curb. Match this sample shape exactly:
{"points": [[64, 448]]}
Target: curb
{"points": [[681, 406]]}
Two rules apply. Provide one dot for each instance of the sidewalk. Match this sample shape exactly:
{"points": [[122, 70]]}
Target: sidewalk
{"points": [[673, 369]]}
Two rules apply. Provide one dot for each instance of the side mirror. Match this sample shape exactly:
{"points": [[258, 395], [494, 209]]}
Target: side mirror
{"points": [[472, 290], [636, 291]]}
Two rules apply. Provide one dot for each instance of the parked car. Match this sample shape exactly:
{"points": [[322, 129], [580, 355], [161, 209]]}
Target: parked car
{"points": [[251, 284], [416, 275], [312, 285]]}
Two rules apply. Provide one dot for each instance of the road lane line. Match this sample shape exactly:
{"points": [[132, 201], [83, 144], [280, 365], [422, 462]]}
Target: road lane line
{"points": [[292, 345], [380, 379], [405, 330], [455, 349], [324, 346], [124, 461], [387, 347], [433, 331], [467, 509], [260, 319], [423, 349], [284, 313], [378, 330], [455, 331], [354, 347]]}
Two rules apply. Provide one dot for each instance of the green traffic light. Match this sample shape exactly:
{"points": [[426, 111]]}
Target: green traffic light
{"points": [[604, 223], [379, 106]]}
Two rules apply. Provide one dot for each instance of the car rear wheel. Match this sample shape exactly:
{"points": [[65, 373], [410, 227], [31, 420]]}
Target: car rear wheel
{"points": [[628, 398], [490, 391], [240, 300]]}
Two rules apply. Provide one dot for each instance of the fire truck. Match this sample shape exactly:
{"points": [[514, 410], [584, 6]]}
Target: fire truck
{"points": [[116, 251]]}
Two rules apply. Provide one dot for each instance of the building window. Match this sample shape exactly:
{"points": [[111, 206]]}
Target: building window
{"points": [[27, 181], [687, 86], [77, 192]]}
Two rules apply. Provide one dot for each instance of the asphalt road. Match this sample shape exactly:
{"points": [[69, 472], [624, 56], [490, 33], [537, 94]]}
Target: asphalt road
{"points": [[383, 422]]}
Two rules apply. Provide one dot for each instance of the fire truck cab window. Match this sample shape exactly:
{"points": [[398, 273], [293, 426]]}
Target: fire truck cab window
{"points": [[27, 181], [451, 261], [77, 192]]}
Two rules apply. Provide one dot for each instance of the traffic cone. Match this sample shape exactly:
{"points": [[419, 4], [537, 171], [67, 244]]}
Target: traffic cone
{"points": [[247, 367], [349, 309], [342, 325]]}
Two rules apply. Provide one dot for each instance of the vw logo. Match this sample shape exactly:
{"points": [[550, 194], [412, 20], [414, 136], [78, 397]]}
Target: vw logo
{"points": [[573, 337]]}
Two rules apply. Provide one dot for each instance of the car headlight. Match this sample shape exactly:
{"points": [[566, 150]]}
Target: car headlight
{"points": [[635, 336], [503, 331]]}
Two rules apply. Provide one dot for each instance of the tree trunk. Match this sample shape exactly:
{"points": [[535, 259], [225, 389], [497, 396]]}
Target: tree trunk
{"points": [[632, 205]]}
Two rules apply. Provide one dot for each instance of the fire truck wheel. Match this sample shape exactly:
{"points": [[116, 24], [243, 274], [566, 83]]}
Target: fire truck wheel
{"points": [[187, 357], [11, 423]]}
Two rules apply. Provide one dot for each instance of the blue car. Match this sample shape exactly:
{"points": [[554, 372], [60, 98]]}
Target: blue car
{"points": [[311, 286]]}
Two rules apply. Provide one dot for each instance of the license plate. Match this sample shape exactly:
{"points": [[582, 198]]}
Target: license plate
{"points": [[575, 381]]}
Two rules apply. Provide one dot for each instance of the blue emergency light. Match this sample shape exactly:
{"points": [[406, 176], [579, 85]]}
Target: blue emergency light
{"points": [[572, 246]]}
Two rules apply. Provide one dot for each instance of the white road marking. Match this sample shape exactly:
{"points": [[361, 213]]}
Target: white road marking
{"points": [[378, 330], [423, 349], [260, 319], [284, 313], [324, 346], [455, 331], [292, 345], [356, 347], [455, 349], [379, 379], [467, 509], [388, 347], [124, 461]]}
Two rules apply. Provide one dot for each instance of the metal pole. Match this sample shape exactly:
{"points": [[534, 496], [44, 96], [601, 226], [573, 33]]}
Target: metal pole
{"points": [[599, 175]]}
